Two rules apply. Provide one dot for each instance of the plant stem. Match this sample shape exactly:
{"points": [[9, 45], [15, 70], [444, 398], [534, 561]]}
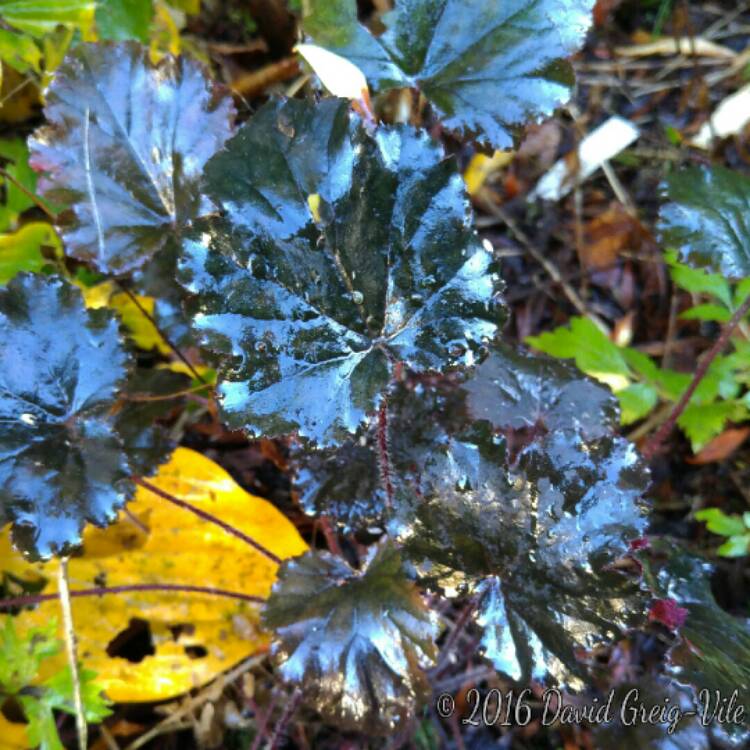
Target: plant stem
{"points": [[654, 444], [285, 718], [72, 651], [257, 546], [27, 601], [385, 461], [31, 196]]}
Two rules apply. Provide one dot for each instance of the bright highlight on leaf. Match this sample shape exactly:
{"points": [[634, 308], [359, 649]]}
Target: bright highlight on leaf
{"points": [[340, 76], [298, 299], [125, 144], [156, 543], [486, 66]]}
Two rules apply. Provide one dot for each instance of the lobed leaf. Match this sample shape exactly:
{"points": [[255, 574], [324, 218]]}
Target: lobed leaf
{"points": [[486, 67], [125, 145], [706, 219], [355, 641], [64, 455], [339, 254]]}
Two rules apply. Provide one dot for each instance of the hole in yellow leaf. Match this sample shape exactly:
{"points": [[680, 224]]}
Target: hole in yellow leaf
{"points": [[195, 652], [134, 643]]}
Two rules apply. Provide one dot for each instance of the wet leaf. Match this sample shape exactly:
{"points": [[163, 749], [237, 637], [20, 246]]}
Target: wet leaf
{"points": [[119, 20], [309, 317], [125, 145], [706, 219], [533, 502], [486, 67], [62, 461], [154, 542], [714, 651], [355, 641]]}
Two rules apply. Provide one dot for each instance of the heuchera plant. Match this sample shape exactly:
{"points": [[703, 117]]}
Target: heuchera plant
{"points": [[329, 269]]}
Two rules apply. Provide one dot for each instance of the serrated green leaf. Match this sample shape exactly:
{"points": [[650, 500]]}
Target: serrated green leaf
{"points": [[354, 640], [125, 146], [120, 20], [706, 219], [698, 281], [22, 654], [592, 351], [702, 422], [62, 459], [58, 694], [486, 67], [38, 17], [309, 317]]}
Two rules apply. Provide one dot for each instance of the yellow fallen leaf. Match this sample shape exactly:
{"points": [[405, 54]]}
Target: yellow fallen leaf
{"points": [[195, 636], [141, 329], [12, 735], [482, 166]]}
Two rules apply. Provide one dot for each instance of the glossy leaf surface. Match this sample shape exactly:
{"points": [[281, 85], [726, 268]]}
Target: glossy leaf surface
{"points": [[61, 459], [485, 66], [125, 145], [353, 640], [534, 500], [708, 219], [714, 651], [156, 543], [340, 253]]}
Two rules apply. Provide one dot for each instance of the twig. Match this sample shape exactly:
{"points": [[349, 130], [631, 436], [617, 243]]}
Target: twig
{"points": [[291, 707], [228, 528], [164, 725], [72, 651], [134, 299], [546, 264], [261, 732], [458, 628], [252, 84], [31, 599], [109, 740], [31, 196], [655, 442]]}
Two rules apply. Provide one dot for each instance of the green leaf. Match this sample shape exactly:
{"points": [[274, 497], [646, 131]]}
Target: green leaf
{"points": [[486, 67], [736, 546], [709, 313], [593, 352], [39, 17], [637, 401], [58, 694], [22, 654], [702, 422], [62, 459], [15, 153], [353, 640], [120, 20], [309, 311], [42, 728], [125, 145], [707, 219], [698, 281], [720, 523], [714, 652], [20, 52], [22, 251]]}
